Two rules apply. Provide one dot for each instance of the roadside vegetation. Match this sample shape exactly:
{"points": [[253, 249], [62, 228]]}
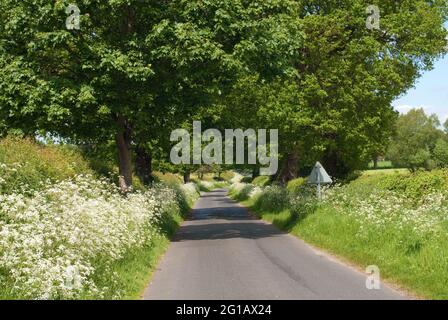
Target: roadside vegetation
{"points": [[68, 233], [395, 220]]}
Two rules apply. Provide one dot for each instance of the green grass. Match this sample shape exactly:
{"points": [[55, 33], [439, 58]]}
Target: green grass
{"points": [[382, 165], [262, 181], [384, 172]]}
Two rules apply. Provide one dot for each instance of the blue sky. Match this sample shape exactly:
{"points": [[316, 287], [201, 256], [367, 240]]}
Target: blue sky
{"points": [[430, 92]]}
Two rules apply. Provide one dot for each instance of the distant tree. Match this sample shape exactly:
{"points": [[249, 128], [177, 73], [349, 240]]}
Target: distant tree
{"points": [[415, 140], [440, 153]]}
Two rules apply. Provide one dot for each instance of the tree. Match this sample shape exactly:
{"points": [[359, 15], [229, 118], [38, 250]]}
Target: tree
{"points": [[135, 68], [441, 153], [337, 105], [415, 140]]}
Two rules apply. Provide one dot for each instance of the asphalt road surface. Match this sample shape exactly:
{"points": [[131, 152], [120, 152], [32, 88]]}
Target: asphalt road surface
{"points": [[223, 253]]}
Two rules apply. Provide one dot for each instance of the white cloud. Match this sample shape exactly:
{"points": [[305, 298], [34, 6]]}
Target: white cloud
{"points": [[403, 108]]}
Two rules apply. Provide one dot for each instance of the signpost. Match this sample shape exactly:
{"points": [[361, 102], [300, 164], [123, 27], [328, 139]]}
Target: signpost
{"points": [[319, 177]]}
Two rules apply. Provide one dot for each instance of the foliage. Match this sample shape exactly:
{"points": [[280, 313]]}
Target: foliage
{"points": [[136, 69], [440, 153], [418, 185], [261, 181], [415, 140], [273, 198], [296, 185], [167, 178], [228, 175], [337, 106], [241, 191]]}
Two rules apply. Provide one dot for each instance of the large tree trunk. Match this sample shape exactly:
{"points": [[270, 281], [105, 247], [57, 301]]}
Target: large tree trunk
{"points": [[290, 168], [143, 165], [123, 140], [187, 178]]}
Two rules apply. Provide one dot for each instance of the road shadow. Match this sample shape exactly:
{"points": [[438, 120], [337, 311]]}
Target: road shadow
{"points": [[222, 218], [251, 229]]}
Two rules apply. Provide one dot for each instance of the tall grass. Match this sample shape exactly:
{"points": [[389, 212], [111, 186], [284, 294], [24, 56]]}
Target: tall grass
{"points": [[30, 165]]}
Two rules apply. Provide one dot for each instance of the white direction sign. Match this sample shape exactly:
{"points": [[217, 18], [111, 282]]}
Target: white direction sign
{"points": [[319, 175]]}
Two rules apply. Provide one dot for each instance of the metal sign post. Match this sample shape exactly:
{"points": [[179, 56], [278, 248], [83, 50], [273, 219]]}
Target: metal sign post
{"points": [[318, 177], [319, 193]]}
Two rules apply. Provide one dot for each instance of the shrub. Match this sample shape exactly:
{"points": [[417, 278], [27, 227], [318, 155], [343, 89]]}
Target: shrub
{"points": [[262, 181], [418, 184], [296, 185], [190, 192], [237, 177], [273, 198], [441, 153], [246, 180], [241, 191], [303, 203], [205, 186]]}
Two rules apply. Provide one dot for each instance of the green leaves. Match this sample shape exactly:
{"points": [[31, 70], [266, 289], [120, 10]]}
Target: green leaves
{"points": [[415, 140]]}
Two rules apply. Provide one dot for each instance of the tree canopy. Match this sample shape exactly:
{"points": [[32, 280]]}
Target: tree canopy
{"points": [[137, 69]]}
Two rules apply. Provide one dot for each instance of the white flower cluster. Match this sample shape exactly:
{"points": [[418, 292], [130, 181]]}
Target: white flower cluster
{"points": [[256, 191], [237, 177], [52, 243], [386, 209], [207, 184], [238, 186], [190, 191]]}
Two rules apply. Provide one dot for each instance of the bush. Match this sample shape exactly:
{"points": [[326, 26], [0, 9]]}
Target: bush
{"points": [[246, 180], [262, 181], [241, 191], [273, 198], [206, 186], [441, 153], [296, 185], [227, 175], [418, 184]]}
